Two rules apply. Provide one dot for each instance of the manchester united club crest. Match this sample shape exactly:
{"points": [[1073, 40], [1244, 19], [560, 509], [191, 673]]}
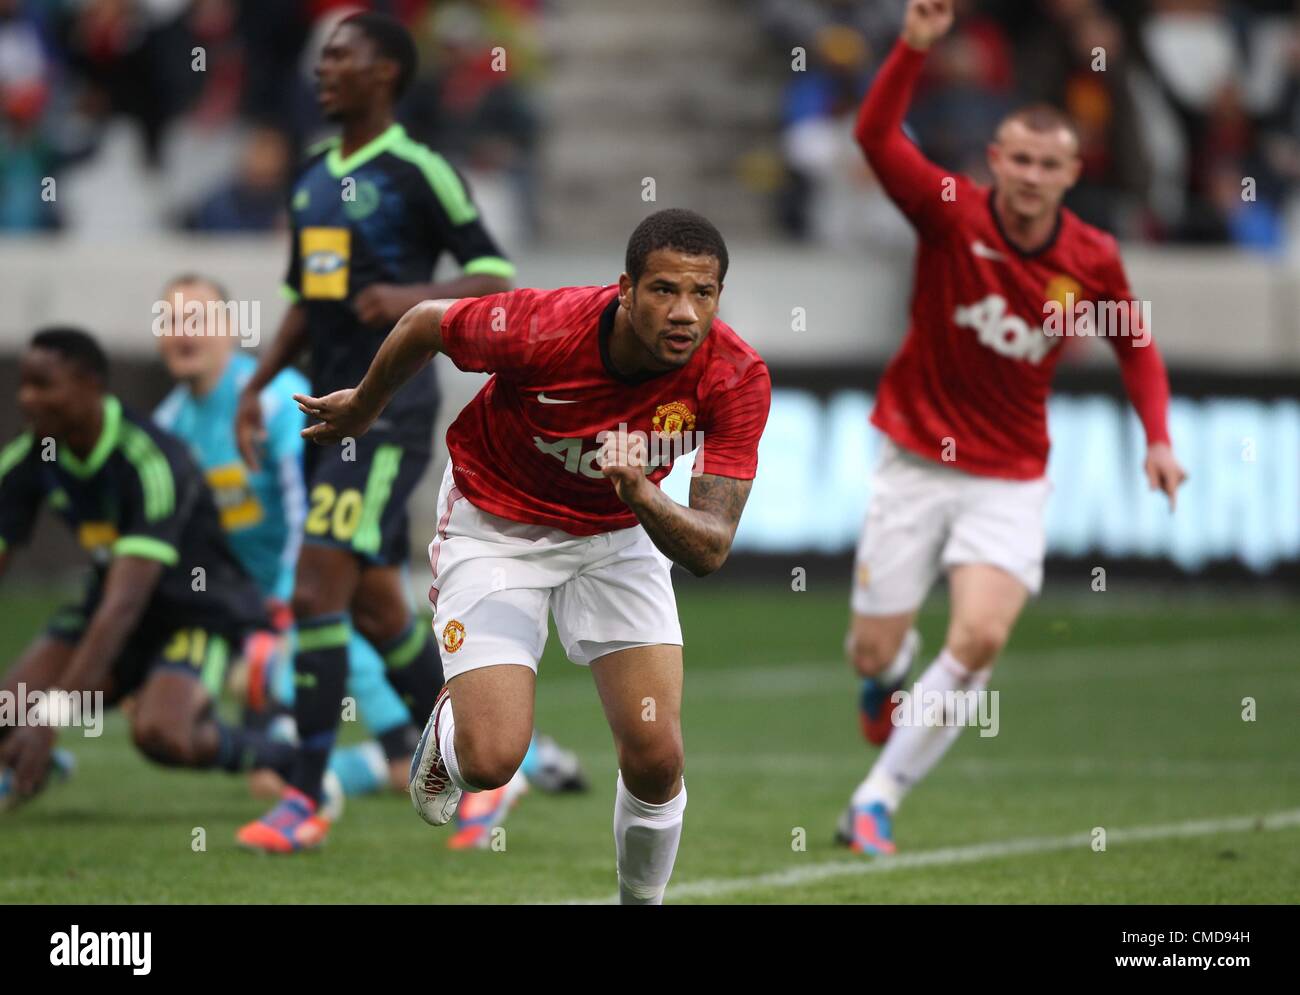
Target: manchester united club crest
{"points": [[1064, 290], [453, 636], [673, 418]]}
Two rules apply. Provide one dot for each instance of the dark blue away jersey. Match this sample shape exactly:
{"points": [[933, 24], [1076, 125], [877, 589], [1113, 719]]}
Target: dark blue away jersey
{"points": [[385, 214]]}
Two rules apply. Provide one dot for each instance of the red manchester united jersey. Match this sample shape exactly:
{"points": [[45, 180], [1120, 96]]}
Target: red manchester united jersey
{"points": [[970, 383], [525, 447]]}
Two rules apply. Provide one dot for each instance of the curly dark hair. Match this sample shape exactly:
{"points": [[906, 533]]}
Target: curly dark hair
{"points": [[679, 229]]}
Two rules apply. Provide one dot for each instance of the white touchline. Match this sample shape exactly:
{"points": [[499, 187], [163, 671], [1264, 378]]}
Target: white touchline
{"points": [[796, 876]]}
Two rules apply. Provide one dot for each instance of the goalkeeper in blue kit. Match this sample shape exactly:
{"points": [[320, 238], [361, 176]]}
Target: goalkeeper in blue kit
{"points": [[264, 513]]}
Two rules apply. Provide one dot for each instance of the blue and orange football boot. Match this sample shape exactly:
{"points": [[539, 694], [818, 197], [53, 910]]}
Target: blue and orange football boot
{"points": [[481, 812], [293, 824], [872, 830]]}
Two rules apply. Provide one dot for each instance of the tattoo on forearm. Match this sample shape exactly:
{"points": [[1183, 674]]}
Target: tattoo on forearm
{"points": [[698, 537]]}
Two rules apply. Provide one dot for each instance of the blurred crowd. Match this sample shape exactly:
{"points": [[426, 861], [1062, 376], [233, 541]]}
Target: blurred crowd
{"points": [[191, 114], [1188, 110]]}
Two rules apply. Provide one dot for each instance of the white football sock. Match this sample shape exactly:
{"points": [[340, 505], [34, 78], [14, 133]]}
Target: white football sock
{"points": [[645, 839], [912, 750], [446, 725], [902, 661]]}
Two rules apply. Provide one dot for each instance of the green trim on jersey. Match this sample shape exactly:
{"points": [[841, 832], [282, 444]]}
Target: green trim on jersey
{"points": [[104, 445], [490, 266], [442, 179], [147, 548], [154, 471], [381, 143], [14, 453], [316, 148], [379, 485]]}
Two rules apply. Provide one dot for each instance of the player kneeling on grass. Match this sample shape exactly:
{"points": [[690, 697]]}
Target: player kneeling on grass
{"points": [[166, 599], [961, 482], [546, 506]]}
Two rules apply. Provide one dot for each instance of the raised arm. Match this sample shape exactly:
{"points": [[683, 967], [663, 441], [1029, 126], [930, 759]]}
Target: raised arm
{"points": [[912, 181], [413, 342]]}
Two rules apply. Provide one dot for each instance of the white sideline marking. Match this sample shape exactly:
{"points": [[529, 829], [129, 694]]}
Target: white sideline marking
{"points": [[713, 887]]}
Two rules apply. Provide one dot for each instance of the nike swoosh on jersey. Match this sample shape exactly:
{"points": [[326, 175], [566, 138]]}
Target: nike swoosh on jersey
{"points": [[542, 398], [984, 252]]}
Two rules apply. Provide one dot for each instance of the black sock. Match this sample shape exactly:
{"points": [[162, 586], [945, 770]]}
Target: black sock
{"points": [[414, 669], [399, 742], [320, 674], [240, 748], [251, 718]]}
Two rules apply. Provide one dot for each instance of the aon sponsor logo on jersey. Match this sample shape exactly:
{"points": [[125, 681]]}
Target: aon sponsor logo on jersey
{"points": [[1006, 334], [651, 450]]}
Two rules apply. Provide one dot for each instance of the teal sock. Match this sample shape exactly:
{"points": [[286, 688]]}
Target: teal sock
{"points": [[529, 766], [361, 769]]}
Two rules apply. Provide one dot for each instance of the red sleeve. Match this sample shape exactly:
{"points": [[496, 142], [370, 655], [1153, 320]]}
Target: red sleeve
{"points": [[735, 424], [1140, 364], [912, 181], [492, 334]]}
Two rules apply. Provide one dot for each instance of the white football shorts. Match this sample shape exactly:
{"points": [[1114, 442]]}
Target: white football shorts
{"points": [[494, 580], [926, 516]]}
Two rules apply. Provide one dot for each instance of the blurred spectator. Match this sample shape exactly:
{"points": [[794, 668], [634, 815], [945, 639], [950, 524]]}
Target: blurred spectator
{"points": [[1224, 75], [1188, 110], [190, 109], [111, 46], [468, 102], [1074, 55], [830, 196], [255, 200], [966, 90], [27, 157]]}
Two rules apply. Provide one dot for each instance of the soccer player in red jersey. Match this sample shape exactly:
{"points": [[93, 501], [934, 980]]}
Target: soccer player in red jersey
{"points": [[551, 502], [961, 482]]}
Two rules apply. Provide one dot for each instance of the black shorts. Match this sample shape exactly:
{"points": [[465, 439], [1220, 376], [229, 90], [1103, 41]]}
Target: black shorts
{"points": [[360, 504], [163, 639]]}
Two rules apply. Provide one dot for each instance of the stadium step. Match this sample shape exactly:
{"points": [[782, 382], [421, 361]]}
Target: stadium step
{"points": [[677, 90]]}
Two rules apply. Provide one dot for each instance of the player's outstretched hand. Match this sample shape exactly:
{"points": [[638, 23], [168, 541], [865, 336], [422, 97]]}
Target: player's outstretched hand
{"points": [[27, 752], [1164, 472], [250, 434], [340, 416], [926, 21]]}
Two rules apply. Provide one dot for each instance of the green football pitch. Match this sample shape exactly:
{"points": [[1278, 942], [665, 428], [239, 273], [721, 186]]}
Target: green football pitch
{"points": [[1121, 714]]}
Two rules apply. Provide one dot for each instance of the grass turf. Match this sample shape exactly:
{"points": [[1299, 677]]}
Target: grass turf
{"points": [[1115, 712]]}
